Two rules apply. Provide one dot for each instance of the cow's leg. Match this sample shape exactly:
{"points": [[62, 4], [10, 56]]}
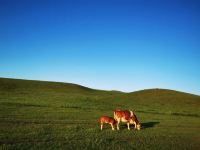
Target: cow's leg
{"points": [[135, 124], [112, 126], [128, 124], [118, 121], [101, 126], [117, 126]]}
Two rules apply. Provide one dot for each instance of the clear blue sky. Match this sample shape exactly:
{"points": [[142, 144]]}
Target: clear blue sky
{"points": [[122, 45]]}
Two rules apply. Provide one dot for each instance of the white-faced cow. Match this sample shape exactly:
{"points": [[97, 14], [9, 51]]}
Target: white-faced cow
{"points": [[126, 116], [108, 120]]}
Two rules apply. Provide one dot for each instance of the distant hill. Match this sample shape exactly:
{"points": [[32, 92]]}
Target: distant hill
{"points": [[167, 96], [158, 91], [66, 90], [16, 84]]}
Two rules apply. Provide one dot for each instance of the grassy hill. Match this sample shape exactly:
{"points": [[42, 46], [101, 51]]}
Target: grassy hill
{"points": [[53, 115]]}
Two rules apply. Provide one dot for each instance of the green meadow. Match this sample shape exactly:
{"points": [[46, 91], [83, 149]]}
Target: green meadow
{"points": [[51, 115]]}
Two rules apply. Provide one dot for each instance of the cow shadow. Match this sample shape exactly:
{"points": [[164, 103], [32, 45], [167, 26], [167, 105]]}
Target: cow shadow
{"points": [[151, 124], [124, 126], [144, 125]]}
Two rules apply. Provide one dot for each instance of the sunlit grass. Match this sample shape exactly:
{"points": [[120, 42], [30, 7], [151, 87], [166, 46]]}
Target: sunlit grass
{"points": [[44, 115]]}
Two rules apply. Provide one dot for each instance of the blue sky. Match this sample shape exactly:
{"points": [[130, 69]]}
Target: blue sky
{"points": [[122, 45]]}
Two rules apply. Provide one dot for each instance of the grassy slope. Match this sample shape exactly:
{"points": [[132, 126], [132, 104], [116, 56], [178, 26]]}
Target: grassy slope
{"points": [[49, 115]]}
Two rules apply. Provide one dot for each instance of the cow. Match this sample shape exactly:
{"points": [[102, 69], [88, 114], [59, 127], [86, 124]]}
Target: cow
{"points": [[126, 116], [108, 120]]}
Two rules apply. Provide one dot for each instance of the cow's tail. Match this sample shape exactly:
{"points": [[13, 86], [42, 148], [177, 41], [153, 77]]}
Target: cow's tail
{"points": [[131, 113]]}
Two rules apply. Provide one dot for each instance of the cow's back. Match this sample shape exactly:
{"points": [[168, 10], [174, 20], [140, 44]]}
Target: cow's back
{"points": [[107, 119], [122, 114]]}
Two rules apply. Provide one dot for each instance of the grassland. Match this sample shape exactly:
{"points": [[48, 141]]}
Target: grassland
{"points": [[50, 115]]}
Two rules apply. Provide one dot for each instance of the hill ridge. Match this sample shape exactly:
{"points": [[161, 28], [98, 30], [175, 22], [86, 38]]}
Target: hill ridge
{"points": [[74, 85]]}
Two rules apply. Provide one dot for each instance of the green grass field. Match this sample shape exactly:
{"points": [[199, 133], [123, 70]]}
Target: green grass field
{"points": [[50, 115]]}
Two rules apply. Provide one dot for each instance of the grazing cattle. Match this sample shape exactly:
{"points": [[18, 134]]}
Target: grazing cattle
{"points": [[108, 120], [126, 116]]}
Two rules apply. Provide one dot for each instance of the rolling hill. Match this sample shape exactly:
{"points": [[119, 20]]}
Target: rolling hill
{"points": [[53, 115]]}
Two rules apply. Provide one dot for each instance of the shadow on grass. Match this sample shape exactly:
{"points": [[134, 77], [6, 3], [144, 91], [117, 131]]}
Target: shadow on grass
{"points": [[149, 124], [124, 126], [144, 125]]}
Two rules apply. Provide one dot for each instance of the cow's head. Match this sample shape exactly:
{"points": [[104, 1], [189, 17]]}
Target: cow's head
{"points": [[135, 121], [138, 126]]}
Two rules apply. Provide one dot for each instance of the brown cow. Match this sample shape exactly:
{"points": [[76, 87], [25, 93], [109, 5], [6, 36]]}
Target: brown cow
{"points": [[126, 116], [108, 120]]}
